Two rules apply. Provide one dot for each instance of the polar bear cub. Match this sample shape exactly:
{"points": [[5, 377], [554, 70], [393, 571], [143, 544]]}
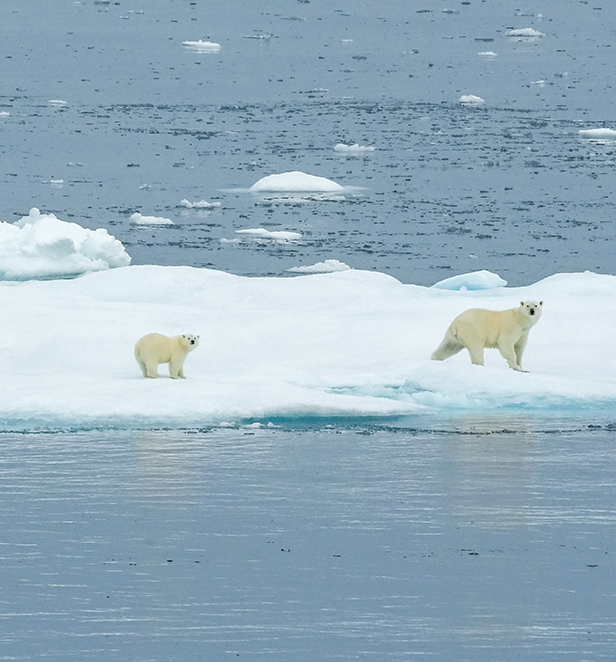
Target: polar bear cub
{"points": [[477, 329], [156, 348]]}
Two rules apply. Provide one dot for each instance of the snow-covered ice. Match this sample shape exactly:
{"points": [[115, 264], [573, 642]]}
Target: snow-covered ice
{"points": [[42, 246], [295, 181], [140, 219], [344, 344], [477, 280]]}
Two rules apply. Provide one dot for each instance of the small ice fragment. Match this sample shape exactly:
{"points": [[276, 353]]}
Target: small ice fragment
{"points": [[202, 46], [139, 219], [524, 32], [353, 149], [597, 133], [275, 235], [202, 204], [470, 100]]}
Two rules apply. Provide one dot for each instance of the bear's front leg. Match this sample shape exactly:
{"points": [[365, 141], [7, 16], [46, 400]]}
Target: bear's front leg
{"points": [[176, 371], [508, 353]]}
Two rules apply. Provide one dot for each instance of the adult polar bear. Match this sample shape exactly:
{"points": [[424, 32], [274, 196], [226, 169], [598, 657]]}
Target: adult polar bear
{"points": [[478, 328], [156, 348]]}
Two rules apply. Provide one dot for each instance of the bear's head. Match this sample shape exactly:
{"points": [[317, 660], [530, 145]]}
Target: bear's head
{"points": [[532, 308], [190, 341]]}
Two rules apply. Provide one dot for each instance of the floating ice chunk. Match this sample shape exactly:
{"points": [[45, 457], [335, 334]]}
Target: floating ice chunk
{"points": [[58, 102], [296, 182], [488, 55], [202, 204], [470, 100], [275, 235], [476, 280], [597, 133], [538, 83], [42, 246], [353, 149], [201, 46], [328, 266], [524, 32], [5, 113], [139, 219]]}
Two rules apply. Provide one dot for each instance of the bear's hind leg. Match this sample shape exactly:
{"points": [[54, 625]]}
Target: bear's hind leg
{"points": [[143, 367], [151, 370], [476, 352]]}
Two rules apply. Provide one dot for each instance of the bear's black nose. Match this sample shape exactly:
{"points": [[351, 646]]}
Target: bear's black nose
{"points": [[532, 311]]}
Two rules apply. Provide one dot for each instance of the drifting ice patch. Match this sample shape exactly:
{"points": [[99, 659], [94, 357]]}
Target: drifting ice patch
{"points": [[524, 32], [275, 235], [353, 149], [597, 133], [139, 219], [201, 46], [328, 266], [470, 100], [295, 182], [202, 204], [42, 246], [477, 280]]}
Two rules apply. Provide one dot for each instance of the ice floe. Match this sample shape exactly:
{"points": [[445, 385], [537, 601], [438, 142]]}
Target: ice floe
{"points": [[295, 181], [353, 150], [201, 46], [345, 344], [477, 280], [274, 235], [600, 134], [140, 219], [201, 204], [42, 246], [327, 266], [471, 100]]}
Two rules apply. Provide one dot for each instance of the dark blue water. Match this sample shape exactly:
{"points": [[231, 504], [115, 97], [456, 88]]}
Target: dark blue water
{"points": [[508, 186], [324, 544]]}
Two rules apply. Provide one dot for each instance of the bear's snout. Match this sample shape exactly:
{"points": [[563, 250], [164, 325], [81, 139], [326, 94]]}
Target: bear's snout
{"points": [[532, 311]]}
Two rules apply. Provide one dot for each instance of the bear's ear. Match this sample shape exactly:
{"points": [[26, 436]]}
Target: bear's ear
{"points": [[541, 303], [521, 303]]}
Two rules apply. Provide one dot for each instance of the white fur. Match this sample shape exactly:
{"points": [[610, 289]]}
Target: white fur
{"points": [[156, 348], [477, 329]]}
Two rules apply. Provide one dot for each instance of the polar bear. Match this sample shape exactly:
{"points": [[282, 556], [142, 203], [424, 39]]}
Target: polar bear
{"points": [[156, 348], [477, 329]]}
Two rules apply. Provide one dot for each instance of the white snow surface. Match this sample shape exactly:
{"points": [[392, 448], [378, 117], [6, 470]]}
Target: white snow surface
{"points": [[42, 246], [297, 182], [345, 344], [477, 280]]}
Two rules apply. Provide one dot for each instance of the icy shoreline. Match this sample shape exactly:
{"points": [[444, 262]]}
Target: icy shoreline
{"points": [[341, 345]]}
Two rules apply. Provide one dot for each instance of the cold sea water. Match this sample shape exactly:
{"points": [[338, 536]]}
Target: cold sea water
{"points": [[484, 537]]}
